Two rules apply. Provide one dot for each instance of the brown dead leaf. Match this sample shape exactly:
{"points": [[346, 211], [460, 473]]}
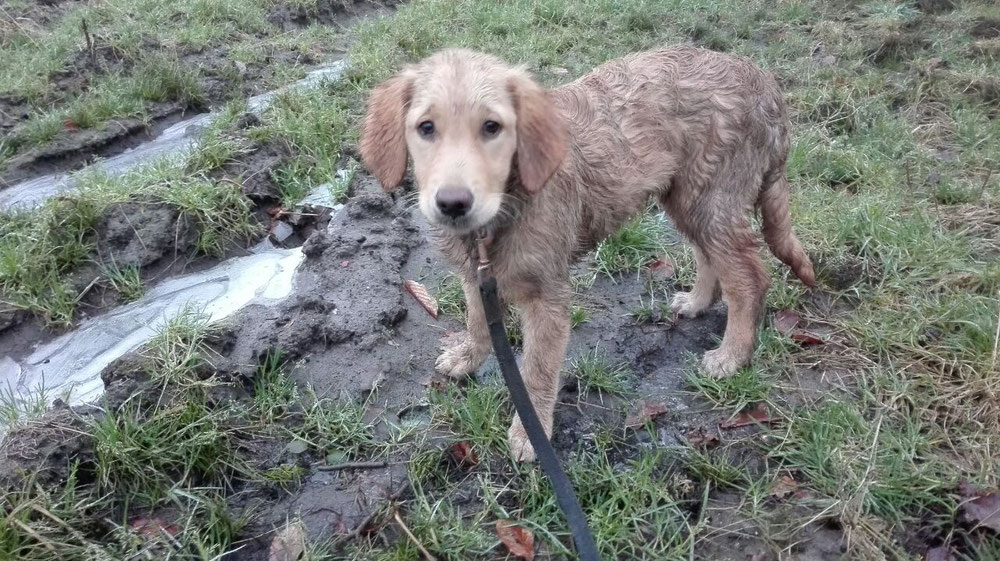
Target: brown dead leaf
{"points": [[647, 412], [981, 508], [70, 125], [941, 553], [702, 437], [422, 296], [784, 486], [661, 270], [288, 544], [464, 454], [758, 415], [788, 323], [153, 527], [520, 542]]}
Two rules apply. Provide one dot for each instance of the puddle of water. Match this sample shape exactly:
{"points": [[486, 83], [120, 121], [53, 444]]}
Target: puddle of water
{"points": [[176, 141], [71, 364]]}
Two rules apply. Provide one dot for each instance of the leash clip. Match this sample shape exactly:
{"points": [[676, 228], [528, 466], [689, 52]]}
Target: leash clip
{"points": [[483, 238]]}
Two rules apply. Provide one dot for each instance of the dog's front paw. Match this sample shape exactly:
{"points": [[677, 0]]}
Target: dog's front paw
{"points": [[462, 359], [520, 447], [688, 305], [722, 363], [517, 438]]}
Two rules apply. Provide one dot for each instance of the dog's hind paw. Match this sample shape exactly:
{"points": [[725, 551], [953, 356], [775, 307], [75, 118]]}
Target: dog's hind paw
{"points": [[721, 363], [461, 360]]}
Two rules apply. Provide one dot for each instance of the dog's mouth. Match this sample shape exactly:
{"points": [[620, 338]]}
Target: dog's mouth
{"points": [[461, 225]]}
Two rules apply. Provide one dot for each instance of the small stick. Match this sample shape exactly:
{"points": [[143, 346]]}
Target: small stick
{"points": [[353, 534], [353, 465], [90, 43], [413, 538], [982, 188]]}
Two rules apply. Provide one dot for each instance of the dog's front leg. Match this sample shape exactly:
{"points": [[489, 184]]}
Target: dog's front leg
{"points": [[546, 327], [465, 357]]}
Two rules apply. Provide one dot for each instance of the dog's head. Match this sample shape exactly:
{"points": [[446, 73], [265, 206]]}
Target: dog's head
{"points": [[463, 118]]}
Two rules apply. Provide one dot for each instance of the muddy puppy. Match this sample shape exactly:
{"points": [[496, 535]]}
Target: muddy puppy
{"points": [[550, 173]]}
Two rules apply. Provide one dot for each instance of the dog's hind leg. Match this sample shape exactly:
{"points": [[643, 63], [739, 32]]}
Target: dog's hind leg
{"points": [[733, 253]]}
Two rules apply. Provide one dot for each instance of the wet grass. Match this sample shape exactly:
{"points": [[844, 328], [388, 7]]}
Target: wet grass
{"points": [[134, 53]]}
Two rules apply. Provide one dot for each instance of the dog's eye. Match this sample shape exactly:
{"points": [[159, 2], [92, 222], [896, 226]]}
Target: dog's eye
{"points": [[491, 128], [426, 128]]}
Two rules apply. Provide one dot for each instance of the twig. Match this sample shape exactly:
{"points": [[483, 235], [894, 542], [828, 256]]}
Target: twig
{"points": [[371, 517], [409, 534], [982, 188], [90, 43], [353, 465]]}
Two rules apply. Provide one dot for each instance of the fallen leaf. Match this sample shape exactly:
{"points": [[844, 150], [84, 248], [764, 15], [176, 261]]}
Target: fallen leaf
{"points": [[464, 454], [759, 414], [153, 527], [941, 553], [520, 542], [336, 457], [559, 71], [70, 125], [787, 323], [784, 486], [288, 544], [422, 296], [702, 437], [297, 446], [647, 412], [661, 270], [982, 507], [345, 263]]}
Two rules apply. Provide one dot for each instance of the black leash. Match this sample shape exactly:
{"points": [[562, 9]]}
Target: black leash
{"points": [[565, 495]]}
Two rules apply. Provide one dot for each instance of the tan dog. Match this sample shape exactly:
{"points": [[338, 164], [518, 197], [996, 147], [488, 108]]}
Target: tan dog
{"points": [[551, 173]]}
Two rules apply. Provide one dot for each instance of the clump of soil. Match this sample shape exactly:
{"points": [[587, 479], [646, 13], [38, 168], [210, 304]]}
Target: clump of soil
{"points": [[140, 233], [44, 451]]}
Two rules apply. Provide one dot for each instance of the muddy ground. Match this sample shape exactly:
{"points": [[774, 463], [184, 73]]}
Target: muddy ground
{"points": [[219, 78], [351, 331]]}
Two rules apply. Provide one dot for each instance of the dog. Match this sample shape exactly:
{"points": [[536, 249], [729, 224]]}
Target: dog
{"points": [[550, 173]]}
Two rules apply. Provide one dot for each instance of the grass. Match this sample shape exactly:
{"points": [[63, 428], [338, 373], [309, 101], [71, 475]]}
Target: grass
{"points": [[140, 55], [637, 243], [335, 426], [127, 281], [273, 390], [599, 374]]}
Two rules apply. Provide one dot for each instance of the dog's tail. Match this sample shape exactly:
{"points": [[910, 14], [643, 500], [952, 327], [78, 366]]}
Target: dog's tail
{"points": [[777, 226]]}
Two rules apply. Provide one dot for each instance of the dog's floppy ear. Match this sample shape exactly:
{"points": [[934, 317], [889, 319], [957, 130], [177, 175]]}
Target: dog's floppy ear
{"points": [[542, 134], [383, 138]]}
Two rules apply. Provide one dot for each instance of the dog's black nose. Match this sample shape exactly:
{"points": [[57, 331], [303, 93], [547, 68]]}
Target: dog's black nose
{"points": [[454, 202]]}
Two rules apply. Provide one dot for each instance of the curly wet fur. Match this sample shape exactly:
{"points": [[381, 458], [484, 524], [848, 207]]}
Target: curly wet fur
{"points": [[704, 133]]}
